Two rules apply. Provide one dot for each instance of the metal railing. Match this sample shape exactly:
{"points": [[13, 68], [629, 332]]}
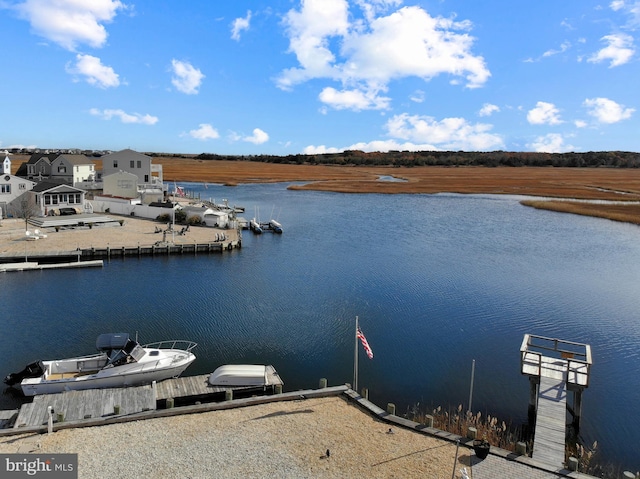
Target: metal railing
{"points": [[180, 344], [577, 355]]}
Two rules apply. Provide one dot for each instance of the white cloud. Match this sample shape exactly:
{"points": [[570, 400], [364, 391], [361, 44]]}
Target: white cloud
{"points": [[258, 138], [619, 50], [488, 109], [607, 111], [367, 54], [353, 99], [70, 23], [240, 24], [204, 132], [186, 78], [417, 96], [380, 145], [94, 71], [124, 116], [580, 123], [551, 143], [563, 48], [544, 114], [631, 8], [449, 133]]}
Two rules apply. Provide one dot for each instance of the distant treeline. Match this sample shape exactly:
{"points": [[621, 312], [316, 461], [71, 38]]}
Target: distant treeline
{"points": [[617, 159]]}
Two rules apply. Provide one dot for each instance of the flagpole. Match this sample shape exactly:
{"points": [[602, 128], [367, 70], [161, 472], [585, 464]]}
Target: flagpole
{"points": [[355, 359]]}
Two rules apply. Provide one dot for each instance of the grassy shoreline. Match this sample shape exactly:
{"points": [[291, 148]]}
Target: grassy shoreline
{"points": [[551, 184]]}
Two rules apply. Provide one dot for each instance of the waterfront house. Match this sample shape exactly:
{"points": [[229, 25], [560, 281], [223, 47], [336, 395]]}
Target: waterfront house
{"points": [[52, 198]]}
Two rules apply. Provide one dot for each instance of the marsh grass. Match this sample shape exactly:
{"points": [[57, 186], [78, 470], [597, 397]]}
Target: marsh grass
{"points": [[505, 435], [454, 420], [627, 213]]}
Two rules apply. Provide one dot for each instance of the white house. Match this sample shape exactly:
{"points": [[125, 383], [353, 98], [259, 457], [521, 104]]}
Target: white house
{"points": [[50, 197], [14, 194], [72, 169]]}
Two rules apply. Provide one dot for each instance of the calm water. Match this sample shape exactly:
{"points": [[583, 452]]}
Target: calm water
{"points": [[437, 281]]}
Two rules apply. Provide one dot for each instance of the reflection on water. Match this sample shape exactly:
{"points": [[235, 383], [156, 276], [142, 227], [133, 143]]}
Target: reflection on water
{"points": [[437, 281]]}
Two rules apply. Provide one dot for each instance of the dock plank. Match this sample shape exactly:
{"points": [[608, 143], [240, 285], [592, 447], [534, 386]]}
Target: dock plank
{"points": [[550, 431]]}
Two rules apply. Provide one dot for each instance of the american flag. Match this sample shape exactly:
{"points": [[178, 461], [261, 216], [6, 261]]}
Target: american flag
{"points": [[365, 343]]}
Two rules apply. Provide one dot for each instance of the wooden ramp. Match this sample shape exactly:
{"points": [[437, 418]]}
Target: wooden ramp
{"points": [[550, 431]]}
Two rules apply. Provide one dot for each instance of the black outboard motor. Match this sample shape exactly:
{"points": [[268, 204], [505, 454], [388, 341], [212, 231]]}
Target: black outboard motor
{"points": [[33, 370]]}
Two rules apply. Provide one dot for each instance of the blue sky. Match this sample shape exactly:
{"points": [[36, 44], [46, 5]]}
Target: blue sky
{"points": [[288, 76]]}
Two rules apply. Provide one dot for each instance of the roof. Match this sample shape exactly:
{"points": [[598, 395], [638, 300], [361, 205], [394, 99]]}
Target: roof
{"points": [[124, 154], [49, 185], [75, 159], [39, 156]]}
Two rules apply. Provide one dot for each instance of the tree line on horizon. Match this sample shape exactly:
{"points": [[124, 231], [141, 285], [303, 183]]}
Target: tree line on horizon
{"points": [[610, 159]]}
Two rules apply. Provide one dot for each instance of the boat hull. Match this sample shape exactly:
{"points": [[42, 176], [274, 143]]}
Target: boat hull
{"points": [[122, 376]]}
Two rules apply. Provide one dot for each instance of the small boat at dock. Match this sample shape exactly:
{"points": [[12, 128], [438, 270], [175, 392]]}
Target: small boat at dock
{"points": [[255, 226], [121, 361]]}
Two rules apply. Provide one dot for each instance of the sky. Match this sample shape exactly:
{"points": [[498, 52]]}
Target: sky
{"points": [[286, 77]]}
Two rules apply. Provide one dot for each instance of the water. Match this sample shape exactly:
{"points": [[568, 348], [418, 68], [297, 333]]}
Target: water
{"points": [[436, 280]]}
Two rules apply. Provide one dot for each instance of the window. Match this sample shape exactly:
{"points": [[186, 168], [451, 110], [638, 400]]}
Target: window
{"points": [[131, 163], [31, 169], [146, 178], [115, 163], [54, 199], [62, 169], [5, 188], [64, 199], [47, 199], [139, 164], [22, 186]]}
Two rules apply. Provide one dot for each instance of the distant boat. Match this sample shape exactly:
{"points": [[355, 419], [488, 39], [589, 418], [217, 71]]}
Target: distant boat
{"points": [[275, 226], [121, 361], [255, 226]]}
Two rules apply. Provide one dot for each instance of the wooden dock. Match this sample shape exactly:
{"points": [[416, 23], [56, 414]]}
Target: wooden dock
{"points": [[555, 368], [551, 422], [106, 403]]}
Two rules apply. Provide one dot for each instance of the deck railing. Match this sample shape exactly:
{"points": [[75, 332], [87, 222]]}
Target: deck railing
{"points": [[576, 355]]}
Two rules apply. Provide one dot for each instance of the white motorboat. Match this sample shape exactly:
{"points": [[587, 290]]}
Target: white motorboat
{"points": [[121, 362]]}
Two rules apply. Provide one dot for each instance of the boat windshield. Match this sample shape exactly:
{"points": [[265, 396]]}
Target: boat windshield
{"points": [[130, 353]]}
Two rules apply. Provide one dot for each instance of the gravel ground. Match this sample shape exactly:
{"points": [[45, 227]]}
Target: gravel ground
{"points": [[283, 440]]}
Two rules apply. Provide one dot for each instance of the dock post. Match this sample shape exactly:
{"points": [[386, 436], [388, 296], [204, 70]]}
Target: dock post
{"points": [[428, 420], [228, 395], [323, 383], [170, 403], [472, 433], [533, 398], [577, 410], [521, 448], [365, 393], [278, 389], [116, 409], [60, 417], [391, 408], [573, 464]]}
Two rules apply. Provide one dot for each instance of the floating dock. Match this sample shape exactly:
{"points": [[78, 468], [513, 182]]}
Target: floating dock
{"points": [[555, 369]]}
